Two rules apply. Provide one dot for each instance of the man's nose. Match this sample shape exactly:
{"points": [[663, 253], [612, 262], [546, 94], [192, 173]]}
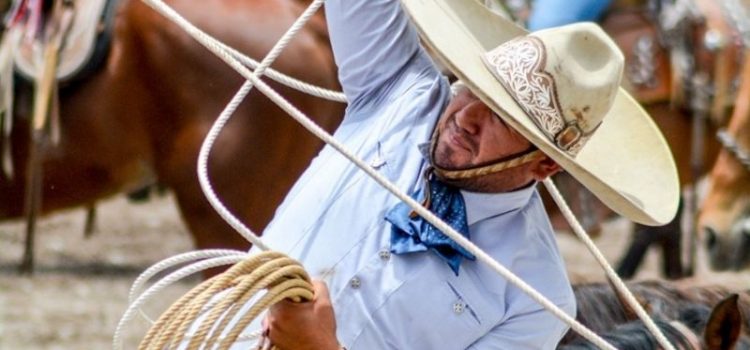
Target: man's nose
{"points": [[472, 117]]}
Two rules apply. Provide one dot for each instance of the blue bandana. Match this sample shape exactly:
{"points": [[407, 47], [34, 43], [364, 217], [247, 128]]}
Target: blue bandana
{"points": [[411, 233]]}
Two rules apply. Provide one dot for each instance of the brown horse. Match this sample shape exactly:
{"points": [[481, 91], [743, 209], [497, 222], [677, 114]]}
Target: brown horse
{"points": [[723, 217], [145, 113]]}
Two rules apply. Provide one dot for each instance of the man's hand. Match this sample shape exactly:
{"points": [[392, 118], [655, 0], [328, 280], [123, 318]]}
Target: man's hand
{"points": [[301, 326]]}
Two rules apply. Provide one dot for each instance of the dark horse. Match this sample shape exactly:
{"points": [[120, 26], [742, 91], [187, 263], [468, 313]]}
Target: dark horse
{"points": [[708, 317], [144, 114]]}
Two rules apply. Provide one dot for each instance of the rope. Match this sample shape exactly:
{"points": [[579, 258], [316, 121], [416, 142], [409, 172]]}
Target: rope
{"points": [[731, 145], [489, 169], [163, 283], [285, 79], [254, 80], [228, 51], [214, 46], [185, 258], [229, 58], [283, 278], [611, 274]]}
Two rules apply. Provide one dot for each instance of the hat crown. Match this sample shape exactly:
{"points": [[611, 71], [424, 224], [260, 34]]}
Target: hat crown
{"points": [[565, 79]]}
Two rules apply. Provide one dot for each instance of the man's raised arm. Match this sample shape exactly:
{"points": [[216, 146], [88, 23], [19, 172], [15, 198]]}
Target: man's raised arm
{"points": [[372, 41]]}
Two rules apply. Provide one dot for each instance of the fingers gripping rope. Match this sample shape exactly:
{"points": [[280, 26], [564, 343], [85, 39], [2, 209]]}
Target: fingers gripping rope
{"points": [[281, 277]]}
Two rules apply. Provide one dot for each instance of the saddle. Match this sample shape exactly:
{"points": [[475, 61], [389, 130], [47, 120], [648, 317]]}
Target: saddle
{"points": [[722, 49], [676, 52], [86, 43], [648, 74]]}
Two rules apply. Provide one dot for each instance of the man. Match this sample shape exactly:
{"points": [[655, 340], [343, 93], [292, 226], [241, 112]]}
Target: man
{"points": [[386, 280]]}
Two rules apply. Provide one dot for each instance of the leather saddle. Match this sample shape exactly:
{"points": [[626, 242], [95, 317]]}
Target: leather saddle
{"points": [[86, 43], [666, 48]]}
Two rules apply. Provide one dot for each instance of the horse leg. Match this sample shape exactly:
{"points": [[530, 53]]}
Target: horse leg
{"points": [[639, 244], [671, 261], [668, 236], [671, 244], [90, 223]]}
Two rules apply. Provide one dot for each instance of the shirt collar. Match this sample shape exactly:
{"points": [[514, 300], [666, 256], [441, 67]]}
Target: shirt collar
{"points": [[480, 206]]}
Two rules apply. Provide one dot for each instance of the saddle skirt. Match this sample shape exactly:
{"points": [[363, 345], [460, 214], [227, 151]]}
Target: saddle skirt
{"points": [[79, 46]]}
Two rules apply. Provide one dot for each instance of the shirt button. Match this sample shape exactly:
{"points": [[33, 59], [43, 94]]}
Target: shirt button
{"points": [[377, 163], [355, 282], [458, 307], [384, 254]]}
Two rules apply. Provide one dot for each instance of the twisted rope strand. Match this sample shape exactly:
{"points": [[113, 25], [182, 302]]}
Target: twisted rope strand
{"points": [[161, 333], [291, 289], [259, 278], [247, 267]]}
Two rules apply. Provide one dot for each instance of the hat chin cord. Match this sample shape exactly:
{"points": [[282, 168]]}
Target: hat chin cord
{"points": [[504, 163], [514, 161]]}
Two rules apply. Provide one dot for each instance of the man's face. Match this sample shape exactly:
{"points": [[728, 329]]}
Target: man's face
{"points": [[470, 134]]}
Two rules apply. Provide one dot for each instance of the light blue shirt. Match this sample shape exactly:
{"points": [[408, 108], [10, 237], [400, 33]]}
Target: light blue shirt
{"points": [[333, 218]]}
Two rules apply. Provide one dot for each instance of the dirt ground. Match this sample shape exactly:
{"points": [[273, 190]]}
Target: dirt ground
{"points": [[79, 290]]}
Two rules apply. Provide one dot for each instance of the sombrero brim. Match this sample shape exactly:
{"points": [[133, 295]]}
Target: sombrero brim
{"points": [[626, 163]]}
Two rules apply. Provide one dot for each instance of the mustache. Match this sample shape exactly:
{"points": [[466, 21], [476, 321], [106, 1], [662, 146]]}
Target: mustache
{"points": [[463, 135]]}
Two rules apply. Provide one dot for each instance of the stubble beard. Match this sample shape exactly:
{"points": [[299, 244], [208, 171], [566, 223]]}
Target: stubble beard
{"points": [[502, 181]]}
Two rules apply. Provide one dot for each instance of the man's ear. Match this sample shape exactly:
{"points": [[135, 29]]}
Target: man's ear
{"points": [[545, 168]]}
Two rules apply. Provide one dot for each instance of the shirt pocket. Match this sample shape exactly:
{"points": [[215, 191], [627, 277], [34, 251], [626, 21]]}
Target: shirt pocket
{"points": [[434, 311]]}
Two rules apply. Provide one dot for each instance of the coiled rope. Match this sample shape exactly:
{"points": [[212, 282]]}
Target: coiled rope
{"points": [[253, 80], [283, 277]]}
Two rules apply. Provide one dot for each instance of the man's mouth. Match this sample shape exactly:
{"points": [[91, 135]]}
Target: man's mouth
{"points": [[457, 138]]}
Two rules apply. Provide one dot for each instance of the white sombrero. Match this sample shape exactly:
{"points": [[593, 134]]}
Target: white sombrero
{"points": [[560, 89]]}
